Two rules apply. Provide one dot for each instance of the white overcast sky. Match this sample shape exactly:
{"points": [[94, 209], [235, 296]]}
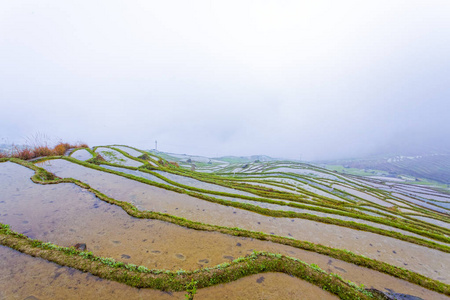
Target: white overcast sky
{"points": [[295, 79]]}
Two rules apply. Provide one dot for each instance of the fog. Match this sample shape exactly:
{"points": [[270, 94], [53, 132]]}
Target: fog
{"points": [[295, 79]]}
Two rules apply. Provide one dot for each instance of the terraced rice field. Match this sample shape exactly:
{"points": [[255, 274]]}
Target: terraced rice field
{"points": [[120, 222]]}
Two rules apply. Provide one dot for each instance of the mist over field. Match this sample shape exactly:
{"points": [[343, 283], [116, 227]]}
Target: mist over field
{"points": [[300, 80]]}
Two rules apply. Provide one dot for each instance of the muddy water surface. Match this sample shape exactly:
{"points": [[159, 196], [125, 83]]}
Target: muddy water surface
{"points": [[26, 277], [41, 214], [65, 214], [266, 286], [429, 262]]}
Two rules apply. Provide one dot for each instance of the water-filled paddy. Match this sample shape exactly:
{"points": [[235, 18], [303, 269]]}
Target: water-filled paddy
{"points": [[421, 203], [202, 185], [82, 154], [115, 157], [26, 277], [321, 214], [362, 195], [35, 211], [128, 150], [431, 263]]}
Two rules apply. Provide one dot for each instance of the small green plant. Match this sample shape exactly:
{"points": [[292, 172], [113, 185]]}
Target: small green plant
{"points": [[144, 156], [191, 289]]}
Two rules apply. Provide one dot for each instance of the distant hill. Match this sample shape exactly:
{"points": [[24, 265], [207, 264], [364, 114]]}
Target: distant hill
{"points": [[245, 159], [430, 166]]}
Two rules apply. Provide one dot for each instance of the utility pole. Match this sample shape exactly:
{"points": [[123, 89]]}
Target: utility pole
{"points": [[156, 145]]}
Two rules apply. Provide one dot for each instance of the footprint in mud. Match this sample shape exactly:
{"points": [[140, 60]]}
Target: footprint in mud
{"points": [[116, 242], [239, 244], [156, 252], [260, 279], [180, 256], [205, 261], [125, 256], [228, 257], [340, 269]]}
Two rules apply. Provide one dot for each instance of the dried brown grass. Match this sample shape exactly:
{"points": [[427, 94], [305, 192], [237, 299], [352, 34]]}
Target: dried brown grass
{"points": [[42, 150]]}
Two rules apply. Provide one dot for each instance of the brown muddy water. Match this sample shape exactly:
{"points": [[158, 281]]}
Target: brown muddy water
{"points": [[429, 262], [26, 277], [66, 214], [422, 204]]}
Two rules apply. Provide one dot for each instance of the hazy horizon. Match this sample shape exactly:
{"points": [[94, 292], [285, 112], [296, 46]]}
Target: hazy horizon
{"points": [[290, 79]]}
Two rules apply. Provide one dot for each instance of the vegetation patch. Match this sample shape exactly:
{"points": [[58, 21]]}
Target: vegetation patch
{"points": [[41, 150]]}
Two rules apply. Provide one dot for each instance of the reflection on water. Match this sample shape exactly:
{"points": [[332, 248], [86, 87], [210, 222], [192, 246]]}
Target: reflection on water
{"points": [[81, 155], [429, 262]]}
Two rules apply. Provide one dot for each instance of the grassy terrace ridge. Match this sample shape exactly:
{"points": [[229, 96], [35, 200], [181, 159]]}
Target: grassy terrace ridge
{"points": [[276, 213], [345, 208], [41, 176], [438, 232], [209, 178], [212, 179], [142, 277]]}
